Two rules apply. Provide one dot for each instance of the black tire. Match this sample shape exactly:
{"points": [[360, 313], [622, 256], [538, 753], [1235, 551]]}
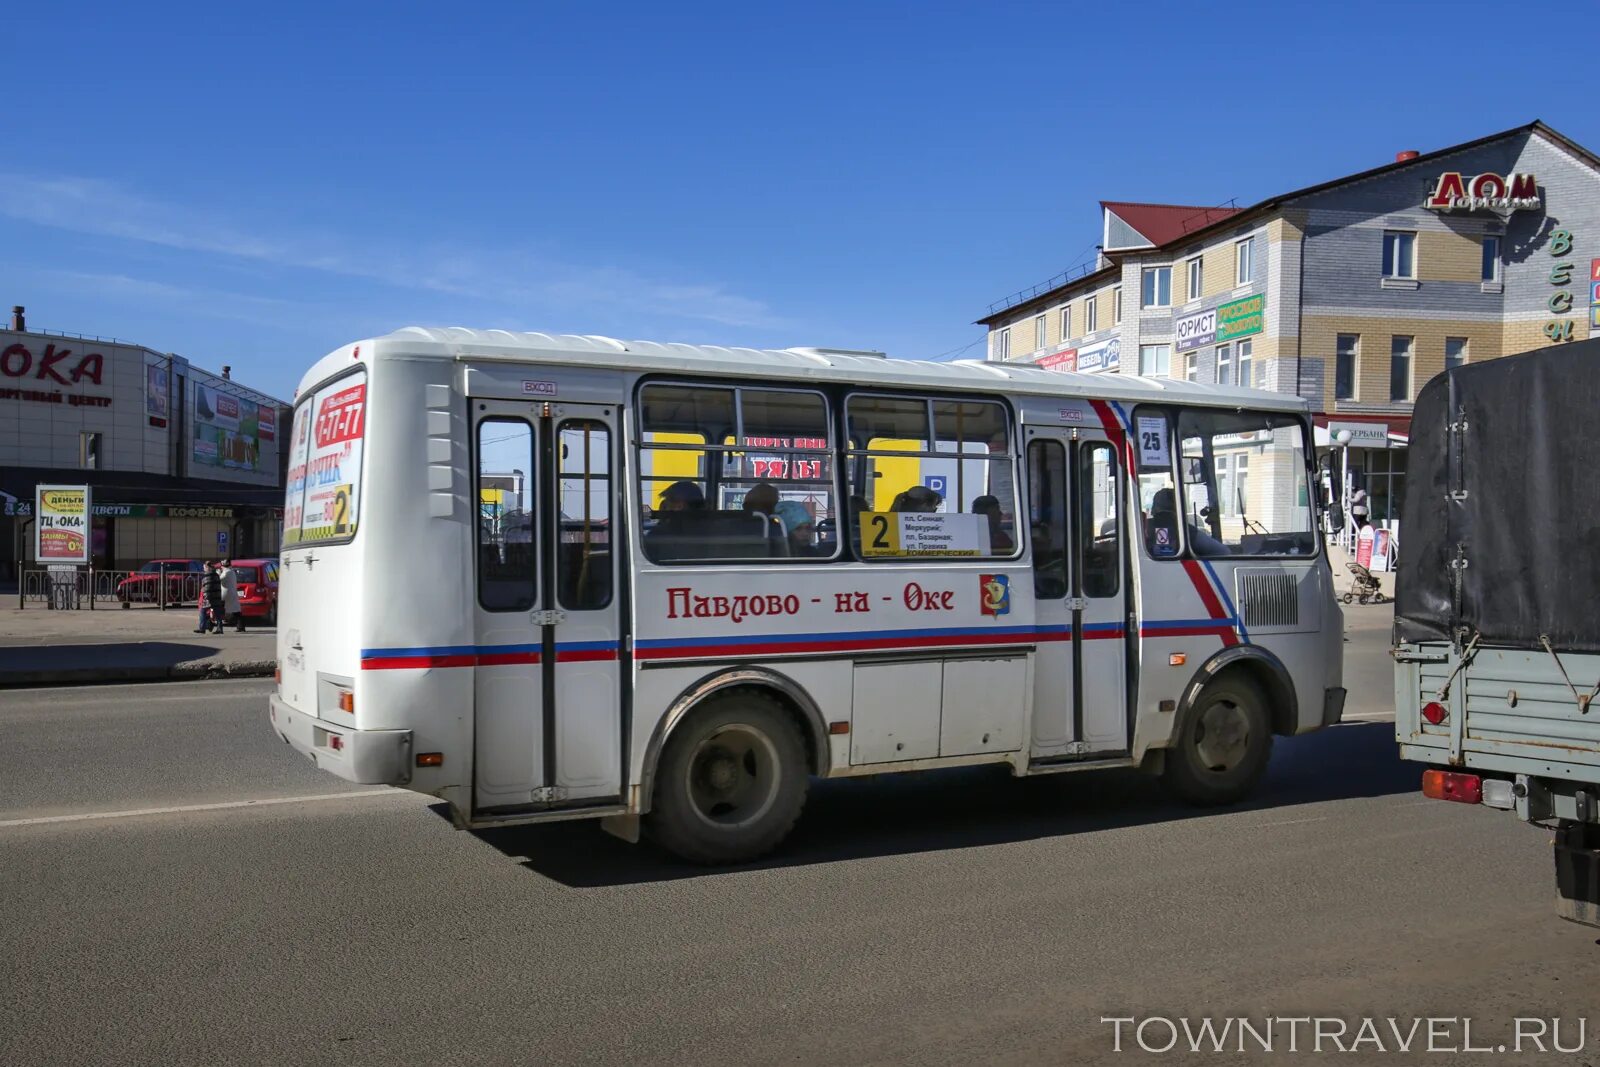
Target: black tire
{"points": [[731, 781], [1224, 744], [272, 615], [1347, 598]]}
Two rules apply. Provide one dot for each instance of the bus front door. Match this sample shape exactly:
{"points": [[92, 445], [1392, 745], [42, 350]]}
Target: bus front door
{"points": [[548, 726], [1076, 516]]}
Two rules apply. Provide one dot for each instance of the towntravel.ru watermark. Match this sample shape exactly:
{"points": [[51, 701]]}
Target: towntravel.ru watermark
{"points": [[1157, 1034]]}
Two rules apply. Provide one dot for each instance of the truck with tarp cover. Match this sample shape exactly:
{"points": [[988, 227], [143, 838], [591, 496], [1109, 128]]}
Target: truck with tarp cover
{"points": [[1497, 614]]}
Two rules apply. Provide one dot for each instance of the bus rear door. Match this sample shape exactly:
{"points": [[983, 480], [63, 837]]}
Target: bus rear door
{"points": [[548, 723], [1076, 517]]}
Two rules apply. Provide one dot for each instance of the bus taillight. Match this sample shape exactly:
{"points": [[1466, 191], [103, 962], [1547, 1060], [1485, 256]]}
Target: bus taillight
{"points": [[1448, 785]]}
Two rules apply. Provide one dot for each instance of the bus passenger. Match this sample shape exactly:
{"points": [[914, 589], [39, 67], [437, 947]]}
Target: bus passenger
{"points": [[800, 526], [1000, 542], [761, 498], [682, 496]]}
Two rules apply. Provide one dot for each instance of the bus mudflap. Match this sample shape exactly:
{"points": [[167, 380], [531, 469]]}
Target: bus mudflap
{"points": [[367, 757], [1577, 854]]}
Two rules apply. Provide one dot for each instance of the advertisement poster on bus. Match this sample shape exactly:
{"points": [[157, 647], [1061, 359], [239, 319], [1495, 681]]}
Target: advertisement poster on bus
{"points": [[324, 484], [226, 430], [61, 526]]}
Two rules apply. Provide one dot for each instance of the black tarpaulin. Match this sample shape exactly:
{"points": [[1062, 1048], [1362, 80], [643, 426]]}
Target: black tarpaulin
{"points": [[1513, 495]]}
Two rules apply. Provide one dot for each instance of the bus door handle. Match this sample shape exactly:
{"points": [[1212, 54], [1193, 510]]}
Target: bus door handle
{"points": [[547, 617]]}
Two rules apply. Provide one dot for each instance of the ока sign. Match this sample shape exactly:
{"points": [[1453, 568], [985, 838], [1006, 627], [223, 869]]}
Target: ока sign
{"points": [[1484, 192]]}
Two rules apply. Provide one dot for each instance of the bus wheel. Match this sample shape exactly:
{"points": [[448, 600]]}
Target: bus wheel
{"points": [[731, 782], [1225, 744]]}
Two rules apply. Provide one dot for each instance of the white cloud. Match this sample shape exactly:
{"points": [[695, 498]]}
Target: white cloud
{"points": [[521, 282]]}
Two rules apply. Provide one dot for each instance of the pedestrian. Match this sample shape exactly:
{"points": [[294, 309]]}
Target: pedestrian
{"points": [[1358, 508], [230, 597], [210, 599]]}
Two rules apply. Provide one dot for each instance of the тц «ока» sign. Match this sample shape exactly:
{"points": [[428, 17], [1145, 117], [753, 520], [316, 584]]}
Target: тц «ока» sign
{"points": [[61, 524]]}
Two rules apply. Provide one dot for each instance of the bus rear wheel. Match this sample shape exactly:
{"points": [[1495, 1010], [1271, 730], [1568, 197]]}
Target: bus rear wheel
{"points": [[1224, 746], [731, 781]]}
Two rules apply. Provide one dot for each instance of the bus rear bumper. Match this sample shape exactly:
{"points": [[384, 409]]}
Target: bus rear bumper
{"points": [[368, 757]]}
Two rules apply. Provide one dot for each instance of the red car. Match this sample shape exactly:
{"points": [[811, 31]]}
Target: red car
{"points": [[183, 578], [258, 589]]}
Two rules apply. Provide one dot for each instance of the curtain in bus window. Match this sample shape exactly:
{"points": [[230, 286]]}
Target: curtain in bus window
{"points": [[507, 538], [931, 477], [1245, 485], [583, 547]]}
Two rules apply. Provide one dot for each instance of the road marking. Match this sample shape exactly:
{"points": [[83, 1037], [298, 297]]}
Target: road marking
{"points": [[1264, 825], [182, 809]]}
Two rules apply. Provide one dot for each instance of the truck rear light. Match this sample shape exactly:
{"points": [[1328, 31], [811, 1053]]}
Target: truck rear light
{"points": [[336, 742], [347, 702], [430, 759], [1448, 785], [1435, 712]]}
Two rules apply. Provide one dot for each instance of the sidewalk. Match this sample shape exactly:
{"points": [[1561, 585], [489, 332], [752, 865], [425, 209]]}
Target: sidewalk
{"points": [[1342, 577], [42, 647]]}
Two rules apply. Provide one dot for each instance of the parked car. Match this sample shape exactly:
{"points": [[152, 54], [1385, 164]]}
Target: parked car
{"points": [[141, 585], [258, 589]]}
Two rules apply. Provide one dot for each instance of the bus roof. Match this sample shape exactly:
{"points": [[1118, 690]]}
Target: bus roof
{"points": [[814, 364]]}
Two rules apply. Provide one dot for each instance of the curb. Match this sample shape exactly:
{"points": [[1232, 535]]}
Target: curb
{"points": [[178, 672]]}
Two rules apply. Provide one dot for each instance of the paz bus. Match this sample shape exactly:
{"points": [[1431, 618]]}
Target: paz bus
{"points": [[662, 585]]}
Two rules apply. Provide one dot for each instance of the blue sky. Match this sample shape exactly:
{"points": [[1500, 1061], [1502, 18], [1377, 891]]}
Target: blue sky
{"points": [[258, 189]]}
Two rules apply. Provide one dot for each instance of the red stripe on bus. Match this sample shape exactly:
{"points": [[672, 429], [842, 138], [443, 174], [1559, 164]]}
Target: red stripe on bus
{"points": [[1208, 597], [1223, 630], [501, 659], [711, 648], [586, 655], [393, 663]]}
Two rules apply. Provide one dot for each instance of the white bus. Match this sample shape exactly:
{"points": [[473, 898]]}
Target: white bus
{"points": [[554, 577]]}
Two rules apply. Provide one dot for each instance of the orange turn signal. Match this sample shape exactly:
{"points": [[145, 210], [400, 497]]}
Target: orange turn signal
{"points": [[430, 759], [837, 728], [347, 702], [1177, 659]]}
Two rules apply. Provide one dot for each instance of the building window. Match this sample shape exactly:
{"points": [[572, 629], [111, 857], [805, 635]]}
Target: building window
{"points": [[1157, 291], [1455, 352], [1191, 366], [1244, 259], [1002, 344], [1346, 352], [1224, 364], [89, 451], [1155, 360], [1066, 322], [1194, 278], [1491, 259], [1246, 349], [1116, 306], [1400, 368], [1038, 332], [1399, 254], [1091, 316]]}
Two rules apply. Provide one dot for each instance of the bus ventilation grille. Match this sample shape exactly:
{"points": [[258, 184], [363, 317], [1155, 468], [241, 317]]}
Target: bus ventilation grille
{"points": [[1268, 598]]}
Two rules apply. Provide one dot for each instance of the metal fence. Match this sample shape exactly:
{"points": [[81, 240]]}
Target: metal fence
{"points": [[66, 588]]}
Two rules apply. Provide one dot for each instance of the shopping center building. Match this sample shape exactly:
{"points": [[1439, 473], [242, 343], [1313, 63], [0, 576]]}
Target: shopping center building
{"points": [[1352, 293], [181, 462]]}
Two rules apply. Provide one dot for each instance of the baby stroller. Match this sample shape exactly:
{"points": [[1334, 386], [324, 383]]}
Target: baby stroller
{"points": [[1364, 588]]}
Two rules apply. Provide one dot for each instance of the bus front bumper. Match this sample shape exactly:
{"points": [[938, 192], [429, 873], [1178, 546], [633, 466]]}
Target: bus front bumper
{"points": [[368, 757]]}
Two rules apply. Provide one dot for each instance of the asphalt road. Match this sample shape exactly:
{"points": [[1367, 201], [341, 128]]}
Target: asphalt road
{"points": [[944, 918]]}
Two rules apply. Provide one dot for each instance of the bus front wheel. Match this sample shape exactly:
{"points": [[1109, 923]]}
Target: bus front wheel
{"points": [[731, 781], [1224, 745]]}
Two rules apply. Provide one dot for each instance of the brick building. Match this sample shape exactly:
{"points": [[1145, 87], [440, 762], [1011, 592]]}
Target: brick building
{"points": [[1352, 293]]}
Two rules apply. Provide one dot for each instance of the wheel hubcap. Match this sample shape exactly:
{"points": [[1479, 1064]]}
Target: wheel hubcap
{"points": [[733, 776], [1222, 736]]}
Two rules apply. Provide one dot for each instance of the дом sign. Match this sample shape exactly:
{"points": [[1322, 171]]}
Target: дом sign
{"points": [[1484, 192]]}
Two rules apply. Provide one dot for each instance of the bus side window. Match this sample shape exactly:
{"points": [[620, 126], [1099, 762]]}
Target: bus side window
{"points": [[507, 563], [1047, 517]]}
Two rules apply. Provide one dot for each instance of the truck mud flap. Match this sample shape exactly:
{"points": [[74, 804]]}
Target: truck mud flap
{"points": [[1577, 853]]}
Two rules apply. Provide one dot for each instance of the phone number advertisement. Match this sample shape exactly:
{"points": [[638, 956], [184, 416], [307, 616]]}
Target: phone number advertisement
{"points": [[322, 495]]}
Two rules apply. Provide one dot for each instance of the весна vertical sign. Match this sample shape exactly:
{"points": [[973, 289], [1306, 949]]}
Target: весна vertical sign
{"points": [[61, 524]]}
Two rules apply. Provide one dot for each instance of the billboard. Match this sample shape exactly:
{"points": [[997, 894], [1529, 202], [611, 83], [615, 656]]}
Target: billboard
{"points": [[155, 391], [61, 526], [227, 430]]}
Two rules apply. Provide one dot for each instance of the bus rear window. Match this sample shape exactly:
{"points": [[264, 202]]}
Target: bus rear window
{"points": [[322, 496]]}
